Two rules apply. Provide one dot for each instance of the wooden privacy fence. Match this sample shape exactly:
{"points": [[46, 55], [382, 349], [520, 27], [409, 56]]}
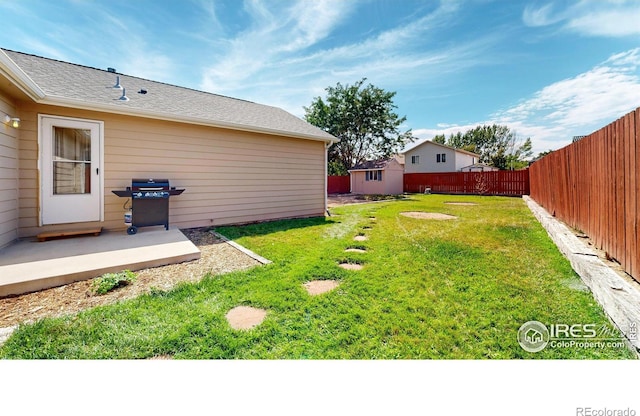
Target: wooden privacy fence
{"points": [[593, 185], [338, 185], [500, 182]]}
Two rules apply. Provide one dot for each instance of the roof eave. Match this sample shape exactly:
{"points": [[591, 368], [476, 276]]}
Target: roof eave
{"points": [[366, 169], [136, 112], [441, 145], [19, 78]]}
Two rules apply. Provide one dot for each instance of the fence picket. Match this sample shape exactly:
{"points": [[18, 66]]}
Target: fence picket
{"points": [[593, 185], [338, 184], [508, 183]]}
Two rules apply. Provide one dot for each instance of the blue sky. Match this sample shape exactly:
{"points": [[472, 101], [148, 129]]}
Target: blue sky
{"points": [[550, 70]]}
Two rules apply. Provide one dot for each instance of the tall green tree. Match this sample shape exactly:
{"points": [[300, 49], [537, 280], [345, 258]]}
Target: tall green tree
{"points": [[363, 118], [496, 144]]}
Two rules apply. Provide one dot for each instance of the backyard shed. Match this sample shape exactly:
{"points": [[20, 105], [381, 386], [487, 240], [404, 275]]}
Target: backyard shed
{"points": [[83, 132], [383, 176]]}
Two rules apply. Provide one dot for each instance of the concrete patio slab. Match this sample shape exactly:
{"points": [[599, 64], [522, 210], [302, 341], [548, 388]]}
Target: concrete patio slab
{"points": [[29, 266]]}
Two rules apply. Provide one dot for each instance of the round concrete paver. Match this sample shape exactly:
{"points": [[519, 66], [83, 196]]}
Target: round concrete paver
{"points": [[351, 266], [245, 317], [318, 287], [360, 238], [356, 250], [427, 215]]}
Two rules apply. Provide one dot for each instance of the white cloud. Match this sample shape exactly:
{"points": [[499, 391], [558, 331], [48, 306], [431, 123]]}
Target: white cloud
{"points": [[541, 16], [608, 18], [276, 33], [306, 59], [578, 105], [570, 107]]}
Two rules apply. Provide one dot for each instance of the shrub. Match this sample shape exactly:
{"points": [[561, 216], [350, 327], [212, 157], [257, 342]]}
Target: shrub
{"points": [[110, 281]]}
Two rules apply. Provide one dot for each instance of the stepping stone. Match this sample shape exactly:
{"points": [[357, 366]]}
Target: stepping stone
{"points": [[355, 250], [318, 287], [245, 317], [351, 266], [361, 238], [428, 215]]}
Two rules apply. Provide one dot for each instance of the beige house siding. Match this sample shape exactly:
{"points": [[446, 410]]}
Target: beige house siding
{"points": [[229, 176], [8, 175]]}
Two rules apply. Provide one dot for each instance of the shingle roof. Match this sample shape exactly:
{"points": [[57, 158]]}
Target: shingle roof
{"points": [[80, 86], [373, 164], [441, 145]]}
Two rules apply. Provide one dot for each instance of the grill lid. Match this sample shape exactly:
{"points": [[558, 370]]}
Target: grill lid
{"points": [[150, 185]]}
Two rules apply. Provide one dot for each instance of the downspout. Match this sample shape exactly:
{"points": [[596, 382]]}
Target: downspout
{"points": [[327, 145]]}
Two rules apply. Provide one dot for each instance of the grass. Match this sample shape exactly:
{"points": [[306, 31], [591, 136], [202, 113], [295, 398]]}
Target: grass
{"points": [[456, 289]]}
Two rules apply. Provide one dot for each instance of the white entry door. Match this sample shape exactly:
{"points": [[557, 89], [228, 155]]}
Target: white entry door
{"points": [[70, 170]]}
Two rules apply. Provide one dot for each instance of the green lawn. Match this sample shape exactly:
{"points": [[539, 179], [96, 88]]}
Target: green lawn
{"points": [[456, 289]]}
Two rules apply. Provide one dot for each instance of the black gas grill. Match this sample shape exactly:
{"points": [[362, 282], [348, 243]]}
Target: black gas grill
{"points": [[149, 202]]}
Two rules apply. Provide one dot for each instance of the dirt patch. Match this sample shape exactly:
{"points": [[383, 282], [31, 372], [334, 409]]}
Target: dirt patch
{"points": [[336, 200], [361, 238], [318, 287], [217, 257], [245, 317], [428, 215], [462, 204], [351, 266], [162, 357]]}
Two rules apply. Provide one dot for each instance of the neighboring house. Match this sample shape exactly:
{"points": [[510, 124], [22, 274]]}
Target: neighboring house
{"points": [[428, 157], [84, 132], [478, 167], [377, 177]]}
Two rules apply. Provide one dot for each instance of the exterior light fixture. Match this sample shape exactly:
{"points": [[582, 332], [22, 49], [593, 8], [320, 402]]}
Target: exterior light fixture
{"points": [[12, 121]]}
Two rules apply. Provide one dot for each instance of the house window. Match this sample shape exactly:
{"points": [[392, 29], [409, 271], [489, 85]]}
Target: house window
{"points": [[373, 175], [441, 158], [415, 160], [444, 157]]}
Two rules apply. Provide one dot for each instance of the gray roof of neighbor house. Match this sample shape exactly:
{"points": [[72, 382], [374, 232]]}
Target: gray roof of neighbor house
{"points": [[479, 165], [54, 82], [373, 164], [441, 145]]}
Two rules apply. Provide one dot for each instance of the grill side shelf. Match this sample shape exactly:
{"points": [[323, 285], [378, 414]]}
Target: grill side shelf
{"points": [[123, 194]]}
